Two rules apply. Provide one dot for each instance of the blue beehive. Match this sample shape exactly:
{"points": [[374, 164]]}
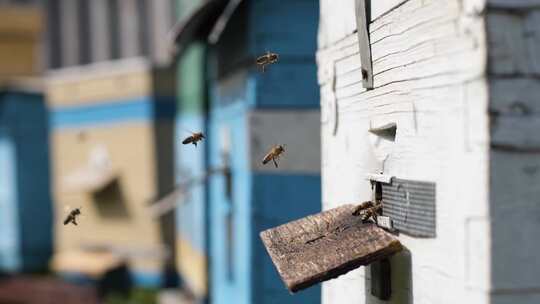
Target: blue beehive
{"points": [[25, 201], [249, 111], [191, 215]]}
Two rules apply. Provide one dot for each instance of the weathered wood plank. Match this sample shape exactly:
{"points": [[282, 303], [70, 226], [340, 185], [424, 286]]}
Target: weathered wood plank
{"points": [[325, 245]]}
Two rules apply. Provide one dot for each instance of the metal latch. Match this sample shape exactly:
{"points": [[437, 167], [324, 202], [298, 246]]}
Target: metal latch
{"points": [[363, 10]]}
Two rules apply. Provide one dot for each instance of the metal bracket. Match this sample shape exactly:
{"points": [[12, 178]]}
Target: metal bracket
{"points": [[363, 9], [381, 282]]}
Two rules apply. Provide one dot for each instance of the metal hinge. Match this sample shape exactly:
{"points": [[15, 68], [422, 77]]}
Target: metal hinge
{"points": [[362, 28]]}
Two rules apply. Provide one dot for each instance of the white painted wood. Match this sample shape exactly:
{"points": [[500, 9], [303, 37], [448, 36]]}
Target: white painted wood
{"points": [[339, 19]]}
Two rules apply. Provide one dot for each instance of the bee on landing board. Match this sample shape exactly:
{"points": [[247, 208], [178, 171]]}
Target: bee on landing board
{"points": [[266, 59], [274, 154], [358, 210], [72, 216], [368, 210], [194, 138]]}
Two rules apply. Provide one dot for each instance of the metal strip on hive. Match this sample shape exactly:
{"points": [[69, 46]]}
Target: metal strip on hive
{"points": [[363, 10], [411, 206]]}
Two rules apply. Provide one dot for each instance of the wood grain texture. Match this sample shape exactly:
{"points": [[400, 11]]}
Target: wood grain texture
{"points": [[326, 245]]}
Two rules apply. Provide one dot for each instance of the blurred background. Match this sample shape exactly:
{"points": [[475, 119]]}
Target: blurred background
{"points": [[95, 99]]}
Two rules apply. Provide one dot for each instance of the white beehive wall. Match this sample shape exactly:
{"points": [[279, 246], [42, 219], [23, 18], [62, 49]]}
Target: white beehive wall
{"points": [[429, 62], [513, 34]]}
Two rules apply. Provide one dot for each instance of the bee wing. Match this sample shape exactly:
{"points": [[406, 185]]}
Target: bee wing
{"points": [[188, 140], [186, 129], [261, 60], [67, 220], [67, 215]]}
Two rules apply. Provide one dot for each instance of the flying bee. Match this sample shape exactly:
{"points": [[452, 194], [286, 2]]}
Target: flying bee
{"points": [[72, 216], [267, 59], [194, 138], [274, 154]]}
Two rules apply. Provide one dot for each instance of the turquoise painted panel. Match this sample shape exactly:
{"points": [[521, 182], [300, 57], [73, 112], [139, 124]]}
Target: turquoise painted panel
{"points": [[146, 279], [274, 26], [145, 108], [9, 221], [237, 88], [25, 159], [230, 210], [241, 271], [186, 7], [287, 85], [191, 80], [286, 27], [292, 82], [278, 199], [191, 215], [33, 182]]}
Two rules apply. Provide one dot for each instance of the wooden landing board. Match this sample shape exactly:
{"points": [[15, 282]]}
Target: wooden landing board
{"points": [[325, 245]]}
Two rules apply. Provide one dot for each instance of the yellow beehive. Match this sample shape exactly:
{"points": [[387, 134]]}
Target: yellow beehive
{"points": [[20, 33], [108, 122]]}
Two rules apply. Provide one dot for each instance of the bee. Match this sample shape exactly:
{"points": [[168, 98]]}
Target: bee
{"points": [[72, 216], [362, 207], [193, 138], [274, 154], [371, 212], [267, 59]]}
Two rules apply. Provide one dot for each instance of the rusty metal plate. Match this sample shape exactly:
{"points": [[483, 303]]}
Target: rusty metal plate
{"points": [[323, 246], [411, 206]]}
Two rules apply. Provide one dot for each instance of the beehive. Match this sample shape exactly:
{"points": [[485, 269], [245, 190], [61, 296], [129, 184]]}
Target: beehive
{"points": [[112, 153], [456, 80]]}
